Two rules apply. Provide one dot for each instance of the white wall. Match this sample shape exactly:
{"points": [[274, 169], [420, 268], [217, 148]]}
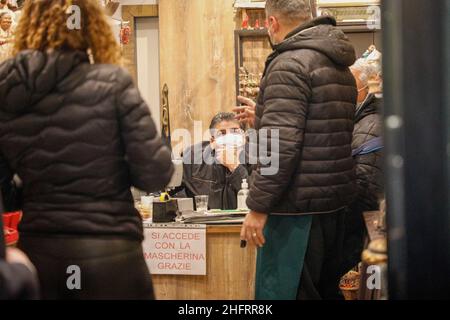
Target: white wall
{"points": [[147, 47], [147, 54]]}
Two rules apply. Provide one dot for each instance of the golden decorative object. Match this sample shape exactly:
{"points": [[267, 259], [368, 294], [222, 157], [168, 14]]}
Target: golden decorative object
{"points": [[349, 285], [376, 253], [248, 83]]}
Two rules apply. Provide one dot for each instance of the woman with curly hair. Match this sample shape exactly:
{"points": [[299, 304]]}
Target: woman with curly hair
{"points": [[76, 131]]}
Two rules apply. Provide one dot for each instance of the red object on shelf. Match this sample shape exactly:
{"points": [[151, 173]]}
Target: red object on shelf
{"points": [[11, 219], [10, 223], [6, 220], [11, 236], [266, 24], [245, 22], [257, 24], [15, 219]]}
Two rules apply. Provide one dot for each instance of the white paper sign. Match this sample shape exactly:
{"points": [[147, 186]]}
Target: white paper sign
{"points": [[175, 250]]}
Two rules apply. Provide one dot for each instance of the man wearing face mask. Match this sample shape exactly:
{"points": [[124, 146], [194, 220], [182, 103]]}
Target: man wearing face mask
{"points": [[215, 168], [367, 145], [297, 215]]}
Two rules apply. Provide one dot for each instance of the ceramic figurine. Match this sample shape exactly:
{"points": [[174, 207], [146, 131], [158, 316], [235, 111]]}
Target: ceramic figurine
{"points": [[245, 21]]}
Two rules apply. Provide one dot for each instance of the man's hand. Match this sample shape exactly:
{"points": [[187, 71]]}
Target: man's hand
{"points": [[14, 255], [246, 113], [252, 229]]}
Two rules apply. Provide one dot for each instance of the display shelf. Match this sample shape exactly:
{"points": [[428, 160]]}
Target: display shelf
{"points": [[254, 40], [245, 4]]}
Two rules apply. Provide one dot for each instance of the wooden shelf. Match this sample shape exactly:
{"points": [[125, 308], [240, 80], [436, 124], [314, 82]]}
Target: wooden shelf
{"points": [[251, 33], [240, 4]]}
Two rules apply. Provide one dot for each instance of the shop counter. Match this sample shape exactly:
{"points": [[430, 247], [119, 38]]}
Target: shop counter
{"points": [[230, 271]]}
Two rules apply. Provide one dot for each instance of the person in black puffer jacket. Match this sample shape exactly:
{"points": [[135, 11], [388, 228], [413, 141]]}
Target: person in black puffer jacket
{"points": [[79, 135], [309, 94], [369, 165]]}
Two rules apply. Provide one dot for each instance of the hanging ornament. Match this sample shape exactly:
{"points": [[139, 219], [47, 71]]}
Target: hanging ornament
{"points": [[125, 33]]}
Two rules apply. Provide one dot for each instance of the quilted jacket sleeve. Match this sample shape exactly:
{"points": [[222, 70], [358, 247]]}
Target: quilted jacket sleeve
{"points": [[369, 167], [149, 160], [284, 104]]}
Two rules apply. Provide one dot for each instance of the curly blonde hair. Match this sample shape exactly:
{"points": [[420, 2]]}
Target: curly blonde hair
{"points": [[44, 25]]}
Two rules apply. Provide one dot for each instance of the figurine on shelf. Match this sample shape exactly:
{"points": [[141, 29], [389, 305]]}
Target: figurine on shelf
{"points": [[266, 24], [257, 27], [245, 20], [248, 84]]}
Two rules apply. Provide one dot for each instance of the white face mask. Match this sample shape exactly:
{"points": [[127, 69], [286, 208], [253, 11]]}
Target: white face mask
{"points": [[229, 148], [230, 140]]}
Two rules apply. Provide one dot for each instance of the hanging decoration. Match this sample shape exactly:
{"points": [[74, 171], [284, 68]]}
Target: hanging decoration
{"points": [[125, 32]]}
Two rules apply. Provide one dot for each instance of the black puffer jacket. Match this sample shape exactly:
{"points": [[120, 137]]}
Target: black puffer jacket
{"points": [[309, 94], [79, 136], [369, 167]]}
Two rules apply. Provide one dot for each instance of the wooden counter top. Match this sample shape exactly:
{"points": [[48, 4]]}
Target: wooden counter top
{"points": [[210, 229]]}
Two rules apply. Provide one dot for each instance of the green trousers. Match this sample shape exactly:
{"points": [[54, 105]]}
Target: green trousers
{"points": [[280, 262]]}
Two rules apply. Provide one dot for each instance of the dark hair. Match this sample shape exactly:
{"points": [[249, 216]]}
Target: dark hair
{"points": [[224, 116], [5, 13], [294, 11]]}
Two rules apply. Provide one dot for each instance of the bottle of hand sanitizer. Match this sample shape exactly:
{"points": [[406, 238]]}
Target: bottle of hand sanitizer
{"points": [[242, 196]]}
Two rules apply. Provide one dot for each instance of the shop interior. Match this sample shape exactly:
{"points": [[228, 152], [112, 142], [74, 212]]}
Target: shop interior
{"points": [[192, 58]]}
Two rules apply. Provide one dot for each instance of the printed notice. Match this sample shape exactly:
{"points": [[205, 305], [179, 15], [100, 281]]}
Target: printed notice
{"points": [[175, 251]]}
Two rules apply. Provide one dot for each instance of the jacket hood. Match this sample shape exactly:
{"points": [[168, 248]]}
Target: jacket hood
{"points": [[321, 35], [32, 74]]}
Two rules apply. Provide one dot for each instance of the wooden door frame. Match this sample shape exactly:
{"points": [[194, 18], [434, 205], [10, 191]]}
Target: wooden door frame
{"points": [[130, 13]]}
